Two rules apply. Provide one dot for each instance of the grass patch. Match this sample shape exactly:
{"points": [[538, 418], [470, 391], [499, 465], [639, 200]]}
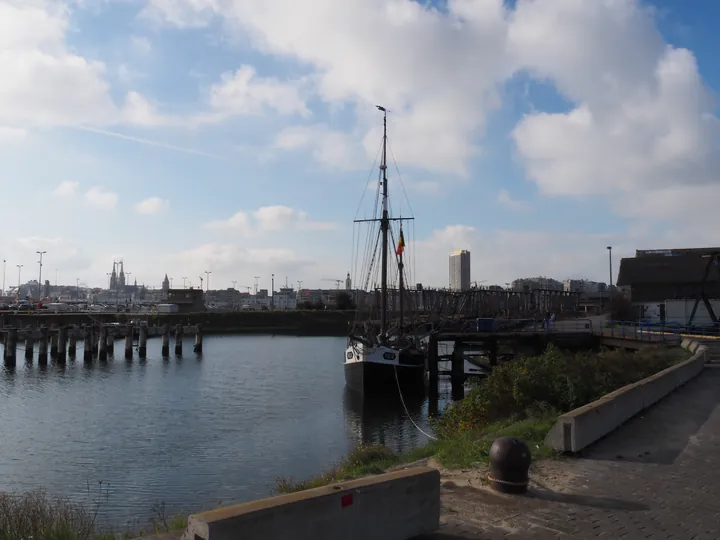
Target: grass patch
{"points": [[36, 516], [471, 448], [364, 460]]}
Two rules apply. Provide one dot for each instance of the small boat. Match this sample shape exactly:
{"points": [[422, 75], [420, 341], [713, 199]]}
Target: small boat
{"points": [[377, 360]]}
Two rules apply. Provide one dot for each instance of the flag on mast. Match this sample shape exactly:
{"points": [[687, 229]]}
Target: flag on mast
{"points": [[401, 244]]}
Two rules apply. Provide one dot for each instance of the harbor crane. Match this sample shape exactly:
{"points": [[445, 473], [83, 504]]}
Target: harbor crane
{"points": [[337, 281]]}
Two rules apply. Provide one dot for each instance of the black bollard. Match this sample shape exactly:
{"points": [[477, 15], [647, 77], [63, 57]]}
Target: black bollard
{"points": [[509, 465]]}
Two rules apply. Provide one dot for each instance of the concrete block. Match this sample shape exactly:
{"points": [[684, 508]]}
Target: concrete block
{"points": [[394, 506], [581, 427]]}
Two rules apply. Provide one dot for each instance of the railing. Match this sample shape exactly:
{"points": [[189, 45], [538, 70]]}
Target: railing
{"points": [[638, 331], [488, 325]]}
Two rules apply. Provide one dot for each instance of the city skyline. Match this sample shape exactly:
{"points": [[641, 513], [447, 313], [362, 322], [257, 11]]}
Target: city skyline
{"points": [[540, 144]]}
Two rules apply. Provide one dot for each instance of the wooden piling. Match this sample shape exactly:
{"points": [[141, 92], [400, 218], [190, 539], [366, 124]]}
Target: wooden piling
{"points": [[142, 341], [10, 355], [110, 343], [198, 347], [53, 343], [128, 342], [87, 347], [457, 371], [102, 343], [72, 342], [29, 344], [165, 351], [178, 339], [94, 341], [62, 344], [43, 345], [493, 352], [432, 358]]}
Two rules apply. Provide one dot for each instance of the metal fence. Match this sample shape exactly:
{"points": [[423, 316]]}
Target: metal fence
{"points": [[639, 332]]}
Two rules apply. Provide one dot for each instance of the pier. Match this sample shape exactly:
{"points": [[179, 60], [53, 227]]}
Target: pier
{"points": [[98, 341]]}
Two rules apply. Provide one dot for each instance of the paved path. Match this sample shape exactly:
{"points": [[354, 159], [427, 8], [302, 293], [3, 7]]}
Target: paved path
{"points": [[656, 477]]}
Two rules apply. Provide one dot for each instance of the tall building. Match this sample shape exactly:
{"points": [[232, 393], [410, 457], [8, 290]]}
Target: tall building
{"points": [[460, 270], [122, 275], [113, 278]]}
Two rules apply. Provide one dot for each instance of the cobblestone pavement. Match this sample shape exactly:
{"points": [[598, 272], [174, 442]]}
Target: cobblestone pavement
{"points": [[656, 477]]}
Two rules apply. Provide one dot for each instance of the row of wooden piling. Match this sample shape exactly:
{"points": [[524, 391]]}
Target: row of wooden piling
{"points": [[99, 342]]}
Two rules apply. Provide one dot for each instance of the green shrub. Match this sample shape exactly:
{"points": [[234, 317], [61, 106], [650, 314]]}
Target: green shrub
{"points": [[554, 381]]}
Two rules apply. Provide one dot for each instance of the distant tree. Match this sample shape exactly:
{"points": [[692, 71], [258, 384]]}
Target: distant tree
{"points": [[344, 301]]}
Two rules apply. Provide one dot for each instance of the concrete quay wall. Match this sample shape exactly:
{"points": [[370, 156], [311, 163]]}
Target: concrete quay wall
{"points": [[394, 506], [581, 427], [306, 323]]}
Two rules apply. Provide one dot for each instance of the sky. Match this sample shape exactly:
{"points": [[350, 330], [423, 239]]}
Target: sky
{"points": [[238, 136]]}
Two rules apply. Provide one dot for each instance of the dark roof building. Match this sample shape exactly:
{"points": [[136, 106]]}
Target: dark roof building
{"points": [[654, 276]]}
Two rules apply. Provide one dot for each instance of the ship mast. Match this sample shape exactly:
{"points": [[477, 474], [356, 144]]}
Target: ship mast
{"points": [[384, 227]]}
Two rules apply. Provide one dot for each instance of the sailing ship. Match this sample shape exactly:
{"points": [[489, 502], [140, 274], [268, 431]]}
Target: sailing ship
{"points": [[379, 361]]}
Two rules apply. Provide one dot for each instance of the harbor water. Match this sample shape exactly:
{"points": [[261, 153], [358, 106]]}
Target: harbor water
{"points": [[190, 433]]}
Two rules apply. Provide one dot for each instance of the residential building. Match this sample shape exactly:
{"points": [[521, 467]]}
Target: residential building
{"points": [[460, 270]]}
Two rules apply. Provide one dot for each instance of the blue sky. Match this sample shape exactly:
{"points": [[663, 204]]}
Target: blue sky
{"points": [[533, 134]]}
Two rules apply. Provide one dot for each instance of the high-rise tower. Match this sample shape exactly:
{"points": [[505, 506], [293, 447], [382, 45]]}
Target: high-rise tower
{"points": [[460, 270]]}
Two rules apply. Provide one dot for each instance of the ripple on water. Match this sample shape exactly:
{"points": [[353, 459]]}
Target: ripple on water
{"points": [[190, 432]]}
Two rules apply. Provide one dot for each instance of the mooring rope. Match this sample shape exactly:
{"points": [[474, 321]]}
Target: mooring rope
{"points": [[397, 380]]}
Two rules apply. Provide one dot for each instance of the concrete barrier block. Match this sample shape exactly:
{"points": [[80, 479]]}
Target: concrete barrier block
{"points": [[394, 506], [581, 427]]}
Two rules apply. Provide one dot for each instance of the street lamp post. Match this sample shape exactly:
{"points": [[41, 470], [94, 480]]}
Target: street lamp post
{"points": [[609, 248], [207, 281], [184, 278], [4, 268], [41, 253], [272, 291], [19, 267], [108, 274]]}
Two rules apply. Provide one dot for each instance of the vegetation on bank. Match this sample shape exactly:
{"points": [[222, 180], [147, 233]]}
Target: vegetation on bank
{"points": [[521, 398], [34, 515]]}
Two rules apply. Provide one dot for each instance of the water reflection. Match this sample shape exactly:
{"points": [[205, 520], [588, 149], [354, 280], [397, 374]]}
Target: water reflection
{"points": [[383, 420], [190, 432]]}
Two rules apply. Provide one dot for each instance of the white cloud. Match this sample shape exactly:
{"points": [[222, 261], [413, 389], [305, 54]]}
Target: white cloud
{"points": [[333, 149], [269, 219], [101, 198], [141, 44], [500, 256], [243, 93], [152, 205], [140, 112], [642, 120], [440, 88], [44, 83], [507, 201], [641, 115], [10, 134], [67, 189]]}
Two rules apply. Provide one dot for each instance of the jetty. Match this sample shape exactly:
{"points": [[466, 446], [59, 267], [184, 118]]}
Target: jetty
{"points": [[60, 343]]}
